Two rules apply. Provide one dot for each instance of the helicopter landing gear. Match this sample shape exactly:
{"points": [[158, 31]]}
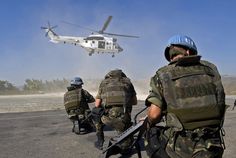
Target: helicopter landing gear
{"points": [[91, 52]]}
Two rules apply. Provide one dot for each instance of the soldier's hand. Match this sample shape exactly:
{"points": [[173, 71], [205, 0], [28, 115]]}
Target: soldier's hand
{"points": [[142, 118]]}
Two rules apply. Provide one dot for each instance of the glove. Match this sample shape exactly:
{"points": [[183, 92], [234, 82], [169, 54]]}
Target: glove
{"points": [[97, 113]]}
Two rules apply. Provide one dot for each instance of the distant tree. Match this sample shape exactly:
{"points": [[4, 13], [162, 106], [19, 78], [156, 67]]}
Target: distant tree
{"points": [[33, 85], [8, 88]]}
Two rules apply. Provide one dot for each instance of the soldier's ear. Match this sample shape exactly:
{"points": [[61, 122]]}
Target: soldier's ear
{"points": [[147, 103]]}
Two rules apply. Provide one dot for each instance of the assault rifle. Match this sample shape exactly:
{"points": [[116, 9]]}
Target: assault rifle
{"points": [[113, 142], [87, 117]]}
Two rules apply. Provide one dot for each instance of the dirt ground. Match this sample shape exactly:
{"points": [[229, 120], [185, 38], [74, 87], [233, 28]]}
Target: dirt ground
{"points": [[47, 133]]}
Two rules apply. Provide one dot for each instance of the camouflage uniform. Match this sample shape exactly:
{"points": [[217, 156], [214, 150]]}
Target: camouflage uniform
{"points": [[116, 114], [191, 96], [79, 108]]}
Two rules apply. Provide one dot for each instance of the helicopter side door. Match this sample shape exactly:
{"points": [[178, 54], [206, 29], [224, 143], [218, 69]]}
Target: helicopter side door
{"points": [[101, 44]]}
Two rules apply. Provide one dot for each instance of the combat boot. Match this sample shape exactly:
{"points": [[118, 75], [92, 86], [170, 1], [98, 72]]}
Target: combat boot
{"points": [[100, 140], [76, 127]]}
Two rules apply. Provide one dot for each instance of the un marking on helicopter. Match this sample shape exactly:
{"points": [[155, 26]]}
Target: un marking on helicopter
{"points": [[97, 42]]}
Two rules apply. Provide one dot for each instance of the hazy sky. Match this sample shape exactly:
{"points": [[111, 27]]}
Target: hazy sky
{"points": [[25, 52]]}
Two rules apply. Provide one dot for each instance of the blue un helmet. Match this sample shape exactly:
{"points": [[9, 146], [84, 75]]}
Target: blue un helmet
{"points": [[181, 40], [77, 81]]}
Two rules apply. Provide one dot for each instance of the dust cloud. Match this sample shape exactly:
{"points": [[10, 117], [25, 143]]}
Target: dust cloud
{"points": [[54, 101]]}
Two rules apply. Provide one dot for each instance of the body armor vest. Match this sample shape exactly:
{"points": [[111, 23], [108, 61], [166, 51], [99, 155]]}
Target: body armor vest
{"points": [[190, 93], [72, 99], [115, 92]]}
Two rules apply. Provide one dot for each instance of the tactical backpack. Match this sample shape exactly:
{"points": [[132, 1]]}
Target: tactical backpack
{"points": [[72, 99]]}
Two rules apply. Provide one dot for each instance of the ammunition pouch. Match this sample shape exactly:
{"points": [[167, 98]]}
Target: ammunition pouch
{"points": [[72, 114]]}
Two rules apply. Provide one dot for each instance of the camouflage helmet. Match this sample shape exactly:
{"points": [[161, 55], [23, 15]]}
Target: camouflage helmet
{"points": [[181, 40], [77, 81], [115, 73]]}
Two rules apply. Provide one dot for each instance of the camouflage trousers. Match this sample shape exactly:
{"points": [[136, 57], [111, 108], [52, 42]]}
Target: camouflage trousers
{"points": [[159, 144], [114, 118]]}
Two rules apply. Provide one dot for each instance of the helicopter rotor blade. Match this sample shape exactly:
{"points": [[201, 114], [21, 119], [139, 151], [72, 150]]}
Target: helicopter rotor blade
{"points": [[86, 28], [102, 30], [113, 34], [43, 27], [49, 26], [53, 27], [105, 24]]}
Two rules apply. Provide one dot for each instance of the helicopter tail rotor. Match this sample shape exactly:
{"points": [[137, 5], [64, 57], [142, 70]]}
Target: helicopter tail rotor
{"points": [[48, 29]]}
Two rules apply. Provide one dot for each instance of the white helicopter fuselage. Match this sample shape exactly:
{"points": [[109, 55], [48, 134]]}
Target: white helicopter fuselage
{"points": [[101, 44], [95, 43]]}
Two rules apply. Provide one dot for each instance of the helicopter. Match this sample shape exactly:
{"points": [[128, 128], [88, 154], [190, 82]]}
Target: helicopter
{"points": [[97, 42]]}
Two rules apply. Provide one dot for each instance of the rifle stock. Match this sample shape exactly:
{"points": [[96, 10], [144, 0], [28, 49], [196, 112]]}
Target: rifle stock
{"points": [[129, 132]]}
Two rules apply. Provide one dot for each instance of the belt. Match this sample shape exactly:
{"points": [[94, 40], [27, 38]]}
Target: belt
{"points": [[200, 132]]}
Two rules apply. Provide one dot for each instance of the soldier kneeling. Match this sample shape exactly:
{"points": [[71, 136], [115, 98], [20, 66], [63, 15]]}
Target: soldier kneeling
{"points": [[76, 101], [113, 106]]}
